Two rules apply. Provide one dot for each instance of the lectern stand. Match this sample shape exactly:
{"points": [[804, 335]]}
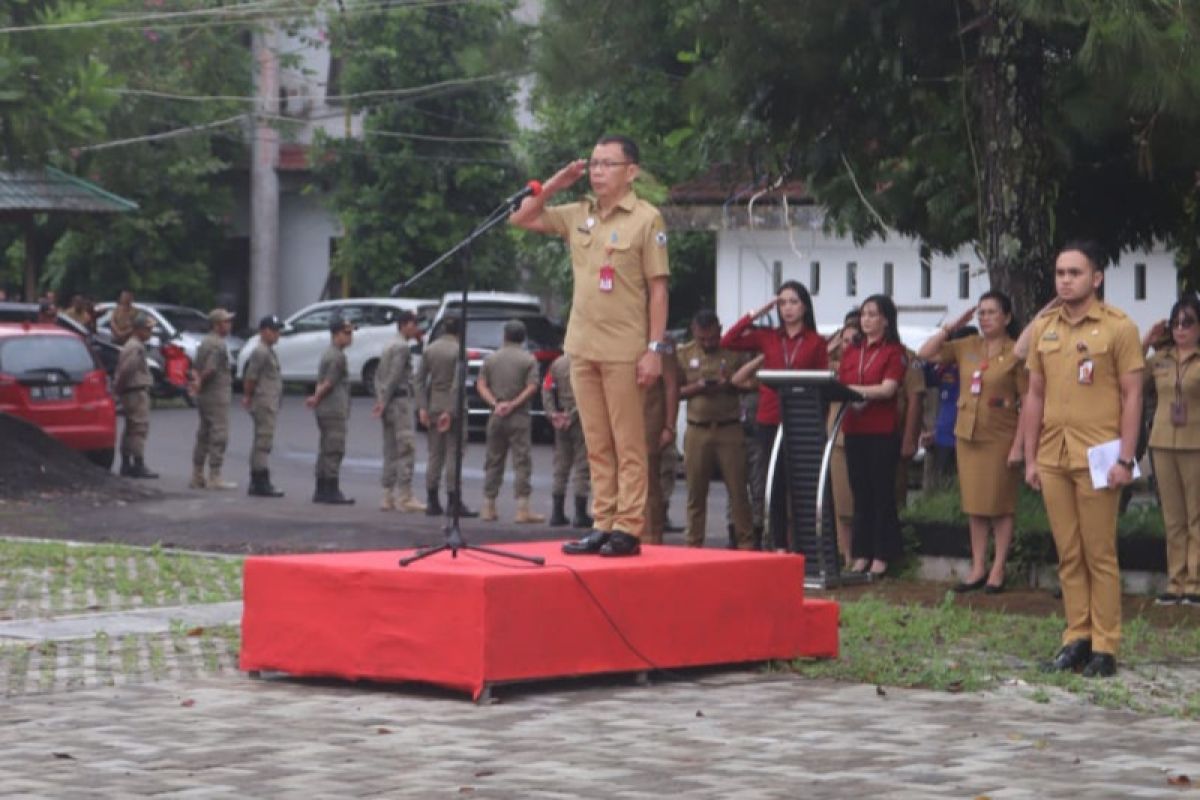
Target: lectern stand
{"points": [[804, 398]]}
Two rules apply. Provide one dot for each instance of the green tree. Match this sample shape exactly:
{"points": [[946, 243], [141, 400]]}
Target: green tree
{"points": [[430, 165]]}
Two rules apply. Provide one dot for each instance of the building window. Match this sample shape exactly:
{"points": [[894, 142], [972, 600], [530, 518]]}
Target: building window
{"points": [[964, 281], [926, 273], [1139, 281], [777, 273], [889, 278], [814, 277], [851, 279]]}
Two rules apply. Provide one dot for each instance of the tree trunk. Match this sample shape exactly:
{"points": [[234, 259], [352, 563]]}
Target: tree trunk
{"points": [[1018, 193]]}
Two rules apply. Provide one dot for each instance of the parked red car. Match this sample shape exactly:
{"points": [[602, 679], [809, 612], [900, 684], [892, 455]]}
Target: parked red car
{"points": [[49, 377]]}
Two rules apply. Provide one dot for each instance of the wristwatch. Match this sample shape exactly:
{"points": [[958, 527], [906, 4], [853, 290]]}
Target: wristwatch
{"points": [[1127, 464], [663, 348]]}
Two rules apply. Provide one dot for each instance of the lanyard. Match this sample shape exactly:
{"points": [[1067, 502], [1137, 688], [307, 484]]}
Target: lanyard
{"points": [[790, 356], [862, 369]]}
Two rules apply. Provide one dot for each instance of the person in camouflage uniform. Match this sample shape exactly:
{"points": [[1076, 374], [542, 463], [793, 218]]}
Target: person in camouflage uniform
{"points": [[131, 383], [570, 450], [507, 383], [262, 391], [331, 402], [393, 404], [212, 386], [123, 315], [437, 384]]}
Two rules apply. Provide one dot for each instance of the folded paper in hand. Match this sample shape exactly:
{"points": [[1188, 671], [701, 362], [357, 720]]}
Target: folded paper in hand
{"points": [[1101, 459]]}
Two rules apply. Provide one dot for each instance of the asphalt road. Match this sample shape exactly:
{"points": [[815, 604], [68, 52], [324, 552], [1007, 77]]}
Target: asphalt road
{"points": [[231, 521]]}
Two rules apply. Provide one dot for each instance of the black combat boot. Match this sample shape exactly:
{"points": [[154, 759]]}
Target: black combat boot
{"points": [[453, 501], [582, 518], [336, 497], [139, 469], [732, 537], [321, 493], [558, 514], [756, 538], [260, 484], [433, 506], [126, 466]]}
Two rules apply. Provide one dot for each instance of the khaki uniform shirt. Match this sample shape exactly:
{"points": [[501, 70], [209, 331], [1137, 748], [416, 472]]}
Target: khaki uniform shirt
{"points": [[991, 415], [333, 369], [508, 371], [557, 394], [213, 355], [1079, 415], [394, 378], [133, 371], [437, 379], [611, 325], [694, 364], [1175, 382], [913, 384], [263, 369], [121, 322]]}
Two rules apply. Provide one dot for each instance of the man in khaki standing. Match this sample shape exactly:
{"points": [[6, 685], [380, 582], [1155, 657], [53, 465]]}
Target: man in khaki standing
{"points": [[393, 404], [331, 402], [212, 386], [618, 248], [507, 382], [131, 383], [570, 450], [262, 392], [1085, 389], [437, 398]]}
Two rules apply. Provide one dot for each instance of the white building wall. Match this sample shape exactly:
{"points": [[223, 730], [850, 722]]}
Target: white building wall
{"points": [[305, 231], [750, 263]]}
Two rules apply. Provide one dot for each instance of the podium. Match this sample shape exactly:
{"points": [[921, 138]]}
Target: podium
{"points": [[804, 398]]}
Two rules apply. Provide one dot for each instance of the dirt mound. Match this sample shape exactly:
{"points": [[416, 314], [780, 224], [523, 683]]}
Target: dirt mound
{"points": [[34, 465]]}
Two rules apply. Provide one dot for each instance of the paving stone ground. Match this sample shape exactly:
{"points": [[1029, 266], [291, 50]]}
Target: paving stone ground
{"points": [[725, 734]]}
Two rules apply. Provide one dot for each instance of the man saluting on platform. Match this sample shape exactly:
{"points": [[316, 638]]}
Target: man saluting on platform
{"points": [[615, 335]]}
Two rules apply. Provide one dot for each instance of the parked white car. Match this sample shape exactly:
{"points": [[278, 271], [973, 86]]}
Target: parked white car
{"points": [[305, 336]]}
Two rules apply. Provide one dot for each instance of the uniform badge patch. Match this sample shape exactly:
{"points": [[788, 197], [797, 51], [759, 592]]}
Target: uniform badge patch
{"points": [[660, 238]]}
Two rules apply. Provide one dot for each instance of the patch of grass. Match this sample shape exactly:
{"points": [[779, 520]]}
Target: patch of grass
{"points": [[955, 648]]}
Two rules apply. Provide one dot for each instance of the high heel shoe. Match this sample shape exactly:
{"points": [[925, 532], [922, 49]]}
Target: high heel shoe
{"points": [[973, 586], [859, 567], [878, 574], [994, 588]]}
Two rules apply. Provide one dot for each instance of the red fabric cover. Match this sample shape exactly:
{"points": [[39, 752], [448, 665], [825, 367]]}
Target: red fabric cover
{"points": [[478, 619], [807, 351]]}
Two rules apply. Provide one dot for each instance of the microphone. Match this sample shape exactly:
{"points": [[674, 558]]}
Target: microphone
{"points": [[531, 189]]}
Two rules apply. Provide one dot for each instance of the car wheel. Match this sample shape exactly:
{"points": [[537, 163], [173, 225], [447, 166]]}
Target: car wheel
{"points": [[101, 458], [368, 377]]}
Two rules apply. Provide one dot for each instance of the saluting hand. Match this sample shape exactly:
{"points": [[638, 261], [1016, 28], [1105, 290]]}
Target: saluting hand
{"points": [[766, 308], [963, 318], [566, 176], [1157, 332]]}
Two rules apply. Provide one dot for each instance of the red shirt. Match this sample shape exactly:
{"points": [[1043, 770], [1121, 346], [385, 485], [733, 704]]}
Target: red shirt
{"points": [[805, 350], [869, 365]]}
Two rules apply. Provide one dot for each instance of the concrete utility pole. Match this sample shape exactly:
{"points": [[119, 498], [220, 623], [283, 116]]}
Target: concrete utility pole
{"points": [[264, 182]]}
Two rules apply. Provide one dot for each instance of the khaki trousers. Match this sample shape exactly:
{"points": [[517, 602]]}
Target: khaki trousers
{"points": [[1177, 473], [513, 433], [612, 411], [570, 459], [331, 446], [704, 448], [212, 435], [264, 436], [399, 448], [656, 507], [443, 455], [1084, 523], [136, 406]]}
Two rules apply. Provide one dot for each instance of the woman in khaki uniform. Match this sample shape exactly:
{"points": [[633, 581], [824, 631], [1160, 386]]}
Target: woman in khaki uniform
{"points": [[993, 380], [839, 475], [1175, 446]]}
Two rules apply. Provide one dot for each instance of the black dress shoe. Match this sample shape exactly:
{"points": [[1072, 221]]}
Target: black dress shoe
{"points": [[1102, 665], [1072, 656], [589, 544], [621, 544], [973, 586]]}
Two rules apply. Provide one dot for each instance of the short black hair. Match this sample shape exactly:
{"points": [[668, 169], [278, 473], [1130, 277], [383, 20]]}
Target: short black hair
{"points": [[450, 324], [404, 317], [1091, 249], [706, 319], [628, 146]]}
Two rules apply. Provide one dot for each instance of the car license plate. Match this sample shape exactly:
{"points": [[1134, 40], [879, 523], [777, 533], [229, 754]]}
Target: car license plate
{"points": [[51, 392]]}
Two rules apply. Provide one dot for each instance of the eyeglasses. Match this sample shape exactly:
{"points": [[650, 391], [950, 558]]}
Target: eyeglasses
{"points": [[604, 163], [1184, 322]]}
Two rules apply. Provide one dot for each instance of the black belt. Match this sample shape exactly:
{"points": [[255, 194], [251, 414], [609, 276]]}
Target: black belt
{"points": [[400, 394], [718, 424]]}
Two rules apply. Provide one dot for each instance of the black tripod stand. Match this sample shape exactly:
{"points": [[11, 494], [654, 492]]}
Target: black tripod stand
{"points": [[454, 540]]}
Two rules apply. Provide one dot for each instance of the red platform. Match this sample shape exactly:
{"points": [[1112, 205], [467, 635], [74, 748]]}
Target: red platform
{"points": [[475, 620]]}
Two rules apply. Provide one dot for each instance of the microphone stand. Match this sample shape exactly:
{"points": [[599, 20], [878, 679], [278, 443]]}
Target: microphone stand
{"points": [[454, 540]]}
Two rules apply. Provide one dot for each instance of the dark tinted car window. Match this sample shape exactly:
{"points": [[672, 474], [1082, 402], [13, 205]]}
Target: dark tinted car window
{"points": [[186, 319], [21, 355], [541, 333]]}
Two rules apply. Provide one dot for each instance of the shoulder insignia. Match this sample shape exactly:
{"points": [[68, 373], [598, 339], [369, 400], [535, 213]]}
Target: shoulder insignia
{"points": [[660, 238]]}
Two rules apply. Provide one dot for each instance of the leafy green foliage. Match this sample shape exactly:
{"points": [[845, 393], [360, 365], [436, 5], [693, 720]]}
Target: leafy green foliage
{"points": [[433, 165]]}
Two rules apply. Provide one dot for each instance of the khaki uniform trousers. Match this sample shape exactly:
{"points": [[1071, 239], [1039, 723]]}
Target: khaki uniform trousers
{"points": [[704, 448], [570, 461], [1177, 473], [264, 436], [213, 433], [756, 476], [505, 434], [1084, 523], [612, 410], [656, 455], [399, 444], [332, 445], [839, 478], [136, 405], [443, 455]]}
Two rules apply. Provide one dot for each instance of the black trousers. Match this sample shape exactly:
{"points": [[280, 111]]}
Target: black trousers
{"points": [[777, 490], [871, 460]]}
